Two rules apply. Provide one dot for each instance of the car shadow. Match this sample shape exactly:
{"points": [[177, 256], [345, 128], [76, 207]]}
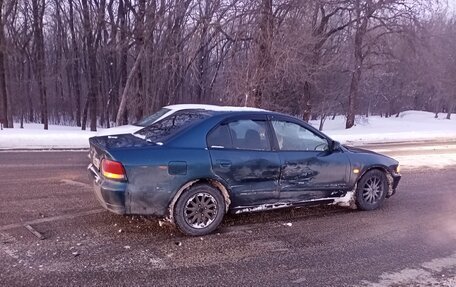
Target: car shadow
{"points": [[158, 229], [284, 214]]}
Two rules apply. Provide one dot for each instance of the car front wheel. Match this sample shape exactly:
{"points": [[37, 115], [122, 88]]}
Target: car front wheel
{"points": [[199, 210], [371, 191]]}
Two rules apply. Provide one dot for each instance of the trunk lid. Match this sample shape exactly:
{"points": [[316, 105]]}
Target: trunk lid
{"points": [[101, 146]]}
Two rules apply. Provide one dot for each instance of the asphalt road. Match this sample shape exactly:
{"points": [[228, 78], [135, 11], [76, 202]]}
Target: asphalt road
{"points": [[410, 241]]}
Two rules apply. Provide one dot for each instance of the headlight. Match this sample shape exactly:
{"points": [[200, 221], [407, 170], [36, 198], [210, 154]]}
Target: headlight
{"points": [[398, 169]]}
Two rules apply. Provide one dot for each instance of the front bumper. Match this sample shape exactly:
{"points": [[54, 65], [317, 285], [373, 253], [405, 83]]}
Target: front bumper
{"points": [[111, 194]]}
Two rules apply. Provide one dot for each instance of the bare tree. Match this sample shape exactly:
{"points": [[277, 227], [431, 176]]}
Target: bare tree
{"points": [[92, 65], [264, 57], [5, 114], [75, 76], [38, 15], [109, 61]]}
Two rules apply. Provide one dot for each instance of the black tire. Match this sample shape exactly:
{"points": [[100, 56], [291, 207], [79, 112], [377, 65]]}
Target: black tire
{"points": [[371, 190], [199, 210]]}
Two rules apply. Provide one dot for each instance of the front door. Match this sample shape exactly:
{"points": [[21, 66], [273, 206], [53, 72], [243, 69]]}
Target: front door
{"points": [[241, 155], [309, 170]]}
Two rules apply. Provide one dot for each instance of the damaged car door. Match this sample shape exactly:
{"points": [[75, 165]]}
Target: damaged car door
{"points": [[310, 170], [241, 155]]}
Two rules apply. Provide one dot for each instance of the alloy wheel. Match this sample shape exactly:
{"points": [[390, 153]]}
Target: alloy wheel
{"points": [[372, 190], [200, 210]]}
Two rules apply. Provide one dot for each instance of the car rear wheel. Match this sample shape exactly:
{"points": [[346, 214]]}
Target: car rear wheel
{"points": [[199, 210], [371, 190]]}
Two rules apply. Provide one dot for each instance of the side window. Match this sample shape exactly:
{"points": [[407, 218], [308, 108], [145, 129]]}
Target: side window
{"points": [[291, 136], [249, 135], [219, 137]]}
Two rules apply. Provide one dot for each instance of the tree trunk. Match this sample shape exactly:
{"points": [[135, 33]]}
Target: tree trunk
{"points": [[84, 115], [322, 122], [92, 62], [304, 104], [122, 71], [123, 100], [203, 54], [361, 29], [139, 112], [38, 14], [353, 97], [112, 68], [75, 65], [31, 115], [9, 111], [264, 52], [4, 117], [451, 106]]}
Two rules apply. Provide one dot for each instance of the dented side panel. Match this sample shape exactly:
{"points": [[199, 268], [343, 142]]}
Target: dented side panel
{"points": [[253, 176], [309, 175], [156, 175]]}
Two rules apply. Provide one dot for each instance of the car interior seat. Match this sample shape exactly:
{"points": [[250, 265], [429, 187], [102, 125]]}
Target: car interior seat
{"points": [[253, 140]]}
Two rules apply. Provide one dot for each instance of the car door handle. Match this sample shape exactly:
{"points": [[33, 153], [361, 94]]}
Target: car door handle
{"points": [[224, 163]]}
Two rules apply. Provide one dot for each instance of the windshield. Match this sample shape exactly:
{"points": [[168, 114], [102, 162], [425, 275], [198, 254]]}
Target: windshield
{"points": [[152, 118], [165, 128]]}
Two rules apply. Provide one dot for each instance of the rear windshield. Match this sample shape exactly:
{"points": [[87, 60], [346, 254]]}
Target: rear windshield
{"points": [[172, 124], [152, 118]]}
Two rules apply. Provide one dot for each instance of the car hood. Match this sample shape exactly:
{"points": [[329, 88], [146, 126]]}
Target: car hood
{"points": [[359, 150], [125, 129]]}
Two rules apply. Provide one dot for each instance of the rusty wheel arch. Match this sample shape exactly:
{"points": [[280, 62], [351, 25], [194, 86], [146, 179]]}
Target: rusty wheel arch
{"points": [[215, 183]]}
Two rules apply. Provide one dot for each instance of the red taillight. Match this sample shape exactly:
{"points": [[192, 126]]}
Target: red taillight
{"points": [[112, 169]]}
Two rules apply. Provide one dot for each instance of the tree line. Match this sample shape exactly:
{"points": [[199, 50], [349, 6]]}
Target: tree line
{"points": [[94, 63]]}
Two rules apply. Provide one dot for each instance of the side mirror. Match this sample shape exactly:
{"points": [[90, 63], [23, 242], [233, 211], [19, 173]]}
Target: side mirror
{"points": [[334, 146]]}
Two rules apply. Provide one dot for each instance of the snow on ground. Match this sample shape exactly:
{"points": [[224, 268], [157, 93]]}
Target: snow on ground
{"points": [[433, 155], [32, 136], [409, 126], [437, 272], [438, 161]]}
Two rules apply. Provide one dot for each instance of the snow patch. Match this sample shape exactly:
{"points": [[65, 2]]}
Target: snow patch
{"points": [[428, 160], [346, 201], [262, 207], [428, 274], [32, 136], [409, 126]]}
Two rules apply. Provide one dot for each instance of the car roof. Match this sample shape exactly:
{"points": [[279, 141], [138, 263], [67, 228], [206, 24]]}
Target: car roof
{"points": [[226, 112], [211, 108]]}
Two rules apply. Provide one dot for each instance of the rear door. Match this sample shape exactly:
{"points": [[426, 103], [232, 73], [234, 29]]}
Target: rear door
{"points": [[308, 169], [241, 155]]}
